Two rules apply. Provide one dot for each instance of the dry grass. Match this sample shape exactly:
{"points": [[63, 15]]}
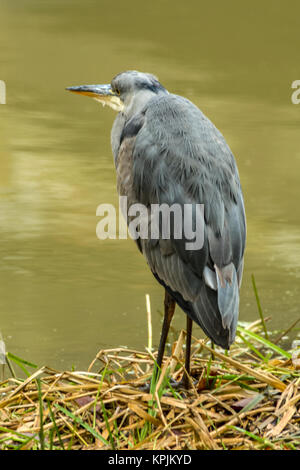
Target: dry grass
{"points": [[248, 399]]}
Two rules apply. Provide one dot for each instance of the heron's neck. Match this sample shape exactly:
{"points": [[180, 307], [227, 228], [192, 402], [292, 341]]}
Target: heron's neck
{"points": [[138, 102], [134, 106]]}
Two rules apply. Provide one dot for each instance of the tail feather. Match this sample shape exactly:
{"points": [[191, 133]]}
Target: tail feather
{"points": [[216, 311], [228, 302]]}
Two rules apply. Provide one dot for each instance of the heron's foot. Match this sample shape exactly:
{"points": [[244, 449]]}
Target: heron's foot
{"points": [[183, 384], [145, 387]]}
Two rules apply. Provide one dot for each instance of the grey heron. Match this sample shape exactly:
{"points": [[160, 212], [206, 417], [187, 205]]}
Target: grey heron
{"points": [[166, 151]]}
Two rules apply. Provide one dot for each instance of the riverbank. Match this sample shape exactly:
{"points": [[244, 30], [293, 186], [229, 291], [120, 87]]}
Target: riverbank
{"points": [[246, 399]]}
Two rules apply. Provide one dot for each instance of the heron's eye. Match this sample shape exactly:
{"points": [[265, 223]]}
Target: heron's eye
{"points": [[117, 91]]}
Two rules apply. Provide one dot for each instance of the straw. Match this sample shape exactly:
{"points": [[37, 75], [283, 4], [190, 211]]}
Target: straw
{"points": [[237, 401]]}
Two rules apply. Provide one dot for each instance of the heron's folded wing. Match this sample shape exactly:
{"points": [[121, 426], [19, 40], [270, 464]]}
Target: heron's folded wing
{"points": [[179, 157]]}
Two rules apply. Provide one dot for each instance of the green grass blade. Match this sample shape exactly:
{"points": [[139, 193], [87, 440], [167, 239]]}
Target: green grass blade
{"points": [[252, 404], [78, 420], [52, 417], [51, 433], [265, 342], [20, 447], [253, 348], [97, 396], [107, 425], [15, 433], [70, 444], [41, 433], [261, 440], [259, 306], [18, 360]]}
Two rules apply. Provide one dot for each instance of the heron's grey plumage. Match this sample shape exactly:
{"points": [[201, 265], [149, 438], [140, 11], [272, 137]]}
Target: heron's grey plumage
{"points": [[167, 151], [176, 155]]}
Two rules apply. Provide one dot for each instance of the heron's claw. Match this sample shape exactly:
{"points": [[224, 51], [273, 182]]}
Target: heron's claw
{"points": [[182, 384]]}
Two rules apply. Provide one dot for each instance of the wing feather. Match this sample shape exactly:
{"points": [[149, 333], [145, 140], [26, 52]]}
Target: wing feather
{"points": [[178, 156]]}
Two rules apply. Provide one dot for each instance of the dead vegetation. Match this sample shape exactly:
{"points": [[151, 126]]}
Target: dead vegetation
{"points": [[246, 399]]}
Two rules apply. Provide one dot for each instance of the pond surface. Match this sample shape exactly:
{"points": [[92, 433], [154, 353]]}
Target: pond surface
{"points": [[64, 294]]}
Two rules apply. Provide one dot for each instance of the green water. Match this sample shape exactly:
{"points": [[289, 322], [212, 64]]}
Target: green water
{"points": [[64, 294]]}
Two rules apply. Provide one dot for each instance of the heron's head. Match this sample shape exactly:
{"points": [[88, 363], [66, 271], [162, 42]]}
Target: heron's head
{"points": [[126, 91]]}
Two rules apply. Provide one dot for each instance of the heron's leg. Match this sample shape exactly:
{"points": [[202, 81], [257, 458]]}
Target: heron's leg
{"points": [[169, 312], [213, 348], [189, 325]]}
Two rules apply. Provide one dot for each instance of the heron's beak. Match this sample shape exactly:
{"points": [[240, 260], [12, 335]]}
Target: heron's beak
{"points": [[102, 93]]}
